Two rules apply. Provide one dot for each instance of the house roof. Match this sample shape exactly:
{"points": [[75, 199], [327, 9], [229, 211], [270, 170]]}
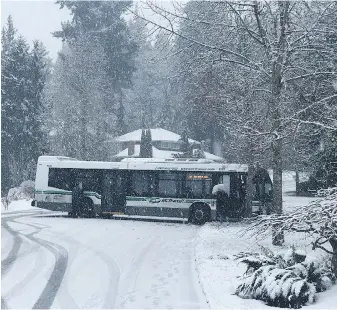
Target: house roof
{"points": [[156, 153], [157, 134]]}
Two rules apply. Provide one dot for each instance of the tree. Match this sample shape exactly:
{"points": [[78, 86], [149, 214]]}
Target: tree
{"points": [[98, 66], [262, 43], [142, 143], [184, 145], [149, 152], [23, 77], [7, 84], [76, 97], [319, 219], [145, 144], [39, 72], [151, 93]]}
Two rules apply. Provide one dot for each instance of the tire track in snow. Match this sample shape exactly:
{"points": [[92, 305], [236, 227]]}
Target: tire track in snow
{"points": [[8, 262], [113, 269], [49, 292], [67, 301], [3, 304], [20, 286]]}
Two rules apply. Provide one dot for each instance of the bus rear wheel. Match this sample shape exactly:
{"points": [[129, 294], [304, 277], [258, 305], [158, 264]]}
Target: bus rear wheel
{"points": [[200, 214]]}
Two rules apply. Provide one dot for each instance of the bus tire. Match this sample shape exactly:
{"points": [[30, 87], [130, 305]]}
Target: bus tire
{"points": [[200, 214]]}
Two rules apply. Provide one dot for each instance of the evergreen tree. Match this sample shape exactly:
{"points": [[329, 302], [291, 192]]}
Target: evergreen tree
{"points": [[149, 153], [39, 71], [151, 91], [185, 145], [121, 126], [142, 147], [23, 77], [146, 144], [7, 84], [103, 22]]}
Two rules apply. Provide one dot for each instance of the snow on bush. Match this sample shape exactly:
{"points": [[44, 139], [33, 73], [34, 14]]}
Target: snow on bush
{"points": [[218, 188], [24, 191], [283, 280], [319, 219]]}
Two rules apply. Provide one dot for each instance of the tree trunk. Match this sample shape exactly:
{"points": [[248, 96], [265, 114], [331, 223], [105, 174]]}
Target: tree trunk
{"points": [[276, 102], [84, 124], [249, 191], [333, 243], [297, 178]]}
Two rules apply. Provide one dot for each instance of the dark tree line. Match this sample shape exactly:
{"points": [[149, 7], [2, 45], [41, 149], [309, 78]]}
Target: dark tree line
{"points": [[24, 71]]}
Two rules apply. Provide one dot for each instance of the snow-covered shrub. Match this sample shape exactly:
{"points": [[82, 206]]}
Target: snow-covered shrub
{"points": [[277, 287], [253, 261], [4, 202], [318, 218], [219, 188], [24, 191], [320, 274], [27, 188], [290, 280]]}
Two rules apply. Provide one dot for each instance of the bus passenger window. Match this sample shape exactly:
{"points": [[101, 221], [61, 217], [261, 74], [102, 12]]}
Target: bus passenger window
{"points": [[139, 184], [198, 186], [143, 184], [60, 178], [167, 186]]}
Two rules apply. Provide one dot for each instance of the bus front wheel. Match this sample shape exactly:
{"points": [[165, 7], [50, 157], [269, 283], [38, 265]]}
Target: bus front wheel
{"points": [[200, 214]]}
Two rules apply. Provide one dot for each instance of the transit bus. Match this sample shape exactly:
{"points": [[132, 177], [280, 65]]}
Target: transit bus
{"points": [[169, 188]]}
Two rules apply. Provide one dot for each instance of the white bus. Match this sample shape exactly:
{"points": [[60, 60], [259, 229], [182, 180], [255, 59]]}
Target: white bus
{"points": [[172, 188]]}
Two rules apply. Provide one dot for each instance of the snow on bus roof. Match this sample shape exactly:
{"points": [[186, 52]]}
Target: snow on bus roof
{"points": [[190, 164], [55, 158]]}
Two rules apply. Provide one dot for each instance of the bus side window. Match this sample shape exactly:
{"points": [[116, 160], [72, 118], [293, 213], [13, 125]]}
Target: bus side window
{"points": [[198, 185], [167, 184], [142, 184], [139, 183], [60, 178]]}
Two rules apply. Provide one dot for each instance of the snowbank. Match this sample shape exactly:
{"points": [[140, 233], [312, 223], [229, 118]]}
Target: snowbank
{"points": [[24, 191], [19, 205]]}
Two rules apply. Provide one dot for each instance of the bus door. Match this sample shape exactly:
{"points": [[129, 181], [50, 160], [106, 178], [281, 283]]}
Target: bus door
{"points": [[114, 192]]}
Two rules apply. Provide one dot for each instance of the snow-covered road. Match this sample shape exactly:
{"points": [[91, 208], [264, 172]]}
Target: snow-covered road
{"points": [[59, 262]]}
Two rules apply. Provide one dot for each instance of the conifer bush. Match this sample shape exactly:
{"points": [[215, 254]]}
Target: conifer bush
{"points": [[286, 281]]}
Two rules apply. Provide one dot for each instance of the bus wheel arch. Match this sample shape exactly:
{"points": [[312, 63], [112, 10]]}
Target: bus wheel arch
{"points": [[199, 213]]}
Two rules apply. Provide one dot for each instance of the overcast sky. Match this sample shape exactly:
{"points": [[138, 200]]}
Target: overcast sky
{"points": [[36, 20]]}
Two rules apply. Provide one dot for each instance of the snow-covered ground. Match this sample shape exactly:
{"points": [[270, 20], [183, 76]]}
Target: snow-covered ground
{"points": [[58, 262], [219, 271], [51, 261], [216, 247]]}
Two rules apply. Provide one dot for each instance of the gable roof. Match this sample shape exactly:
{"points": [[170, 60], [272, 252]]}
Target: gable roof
{"points": [[156, 153], [157, 134]]}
